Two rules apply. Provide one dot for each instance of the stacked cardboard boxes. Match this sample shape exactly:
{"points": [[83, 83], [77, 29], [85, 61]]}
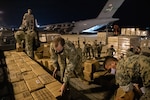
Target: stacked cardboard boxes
{"points": [[43, 94], [90, 66], [30, 81], [122, 43], [113, 40]]}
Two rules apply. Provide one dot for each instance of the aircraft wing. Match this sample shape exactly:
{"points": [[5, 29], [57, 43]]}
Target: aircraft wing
{"points": [[89, 25], [103, 19]]}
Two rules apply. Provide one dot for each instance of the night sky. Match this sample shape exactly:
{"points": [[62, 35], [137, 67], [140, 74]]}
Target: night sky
{"points": [[131, 13]]}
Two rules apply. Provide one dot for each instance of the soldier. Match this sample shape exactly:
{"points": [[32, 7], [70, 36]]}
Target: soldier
{"points": [[65, 54], [132, 69], [88, 45], [108, 78], [78, 42], [20, 37], [137, 50], [111, 51], [121, 56], [30, 36], [110, 64], [27, 33], [130, 51], [79, 51], [94, 48], [99, 49], [84, 50], [28, 20], [116, 30]]}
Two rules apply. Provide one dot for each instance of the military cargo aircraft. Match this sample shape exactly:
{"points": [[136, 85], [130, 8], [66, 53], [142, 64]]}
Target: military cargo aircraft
{"points": [[89, 25]]}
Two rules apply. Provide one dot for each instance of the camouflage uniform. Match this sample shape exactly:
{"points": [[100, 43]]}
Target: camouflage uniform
{"points": [[68, 60], [79, 51], [29, 38], [111, 51], [19, 36], [88, 49], [94, 48], [84, 50], [99, 49], [28, 20], [27, 33], [130, 69]]}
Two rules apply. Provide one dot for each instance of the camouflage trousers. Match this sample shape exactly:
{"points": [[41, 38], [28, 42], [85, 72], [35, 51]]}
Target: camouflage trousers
{"points": [[19, 36], [78, 71], [28, 37], [146, 96]]}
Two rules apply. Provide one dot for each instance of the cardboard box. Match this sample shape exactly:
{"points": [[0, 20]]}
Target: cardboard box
{"points": [[35, 66], [54, 88], [43, 94], [46, 52], [27, 59], [10, 61], [88, 75], [91, 65], [46, 78], [24, 67], [15, 76], [20, 60], [39, 71], [24, 96], [34, 84], [28, 75], [12, 67], [98, 74], [19, 87], [22, 54], [7, 53], [38, 55]]}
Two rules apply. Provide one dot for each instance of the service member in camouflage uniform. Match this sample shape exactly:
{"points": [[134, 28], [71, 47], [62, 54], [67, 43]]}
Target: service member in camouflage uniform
{"points": [[79, 51], [99, 49], [94, 48], [26, 33], [110, 66], [65, 54], [20, 37], [132, 68], [111, 51], [84, 50]]}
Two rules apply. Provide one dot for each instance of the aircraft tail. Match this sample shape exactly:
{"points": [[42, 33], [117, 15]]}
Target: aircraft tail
{"points": [[110, 8]]}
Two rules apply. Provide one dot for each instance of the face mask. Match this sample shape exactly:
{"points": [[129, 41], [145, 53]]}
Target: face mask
{"points": [[143, 90], [113, 71], [59, 51]]}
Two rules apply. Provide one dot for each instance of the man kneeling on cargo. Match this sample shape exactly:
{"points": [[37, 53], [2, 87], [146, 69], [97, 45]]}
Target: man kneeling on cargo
{"points": [[134, 90]]}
